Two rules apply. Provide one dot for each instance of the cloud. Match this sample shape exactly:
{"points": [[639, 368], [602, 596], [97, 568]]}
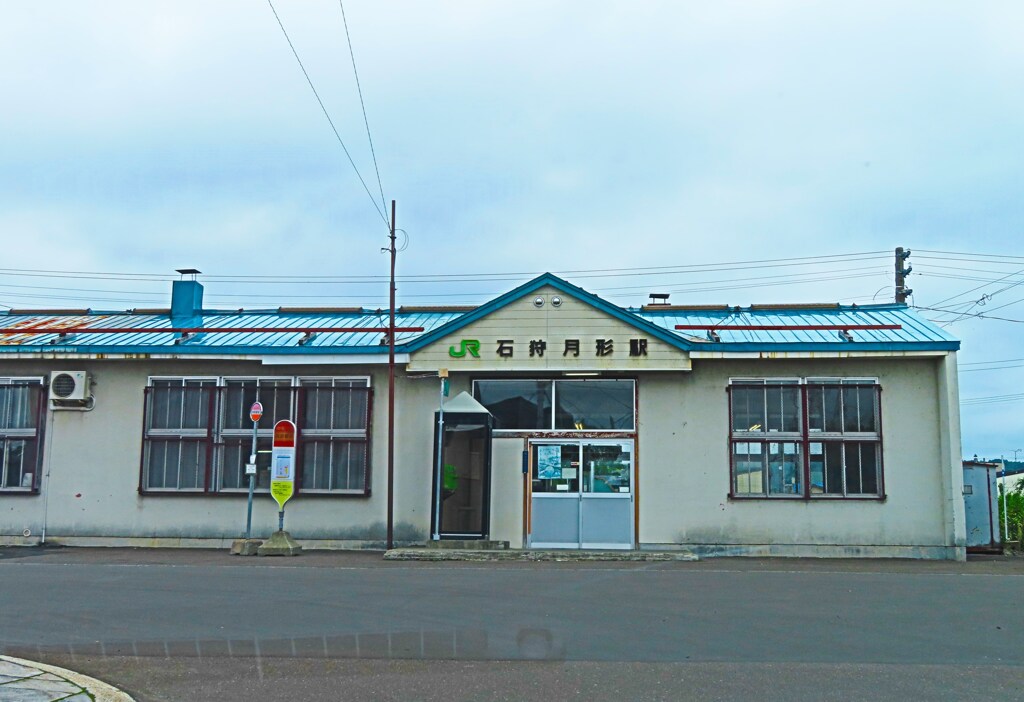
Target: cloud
{"points": [[520, 137]]}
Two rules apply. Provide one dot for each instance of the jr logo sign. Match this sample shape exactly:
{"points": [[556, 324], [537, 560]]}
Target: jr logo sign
{"points": [[472, 346]]}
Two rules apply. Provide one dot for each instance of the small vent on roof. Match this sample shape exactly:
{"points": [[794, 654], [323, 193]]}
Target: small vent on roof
{"points": [[658, 298], [306, 338], [713, 335], [188, 338], [845, 335]]}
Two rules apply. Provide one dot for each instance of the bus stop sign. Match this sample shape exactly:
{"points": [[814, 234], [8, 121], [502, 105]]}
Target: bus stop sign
{"points": [[282, 462]]}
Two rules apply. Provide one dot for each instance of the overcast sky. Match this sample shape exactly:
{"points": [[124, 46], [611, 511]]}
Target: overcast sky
{"points": [[523, 137]]}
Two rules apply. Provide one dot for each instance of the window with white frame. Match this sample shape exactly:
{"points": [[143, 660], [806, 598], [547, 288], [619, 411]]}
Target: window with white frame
{"points": [[199, 435], [559, 405], [21, 407], [805, 438]]}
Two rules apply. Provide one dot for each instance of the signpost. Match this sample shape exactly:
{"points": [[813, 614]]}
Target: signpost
{"points": [[443, 375], [282, 487], [255, 413], [282, 466]]}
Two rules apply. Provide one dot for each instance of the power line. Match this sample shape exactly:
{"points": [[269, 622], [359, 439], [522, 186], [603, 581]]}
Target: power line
{"points": [[785, 276], [710, 285], [992, 399], [965, 253], [986, 363], [1009, 275], [362, 104], [328, 116], [824, 264], [978, 315], [754, 264], [975, 370]]}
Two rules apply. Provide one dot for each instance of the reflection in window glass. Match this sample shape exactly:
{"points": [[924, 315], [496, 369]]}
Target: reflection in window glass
{"points": [[861, 468], [606, 468], [334, 405], [19, 405], [17, 463], [182, 452], [785, 469], [748, 408], [234, 455], [274, 394], [748, 465], [181, 404], [826, 468], [782, 404], [859, 409], [773, 407], [556, 468], [842, 416], [594, 404], [333, 465], [516, 404], [175, 463], [19, 417]]}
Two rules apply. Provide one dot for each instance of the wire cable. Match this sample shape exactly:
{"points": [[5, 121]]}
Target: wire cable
{"points": [[753, 264], [330, 121], [362, 104], [986, 363], [945, 254]]}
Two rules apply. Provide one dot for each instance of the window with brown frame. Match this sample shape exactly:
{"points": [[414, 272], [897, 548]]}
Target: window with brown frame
{"points": [[21, 409], [198, 436], [805, 438]]}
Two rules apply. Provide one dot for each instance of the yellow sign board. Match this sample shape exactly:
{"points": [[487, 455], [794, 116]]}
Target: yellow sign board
{"points": [[282, 491]]}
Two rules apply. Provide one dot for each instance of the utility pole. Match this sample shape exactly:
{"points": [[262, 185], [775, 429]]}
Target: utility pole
{"points": [[902, 291], [391, 391]]}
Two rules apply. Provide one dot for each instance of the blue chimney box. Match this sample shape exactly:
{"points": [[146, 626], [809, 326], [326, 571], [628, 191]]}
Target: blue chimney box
{"points": [[186, 299]]}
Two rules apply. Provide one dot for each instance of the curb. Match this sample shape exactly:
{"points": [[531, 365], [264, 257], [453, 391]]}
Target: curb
{"points": [[441, 554], [101, 691]]}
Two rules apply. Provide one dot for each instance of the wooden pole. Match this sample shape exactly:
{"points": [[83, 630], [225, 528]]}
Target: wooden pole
{"points": [[391, 392]]}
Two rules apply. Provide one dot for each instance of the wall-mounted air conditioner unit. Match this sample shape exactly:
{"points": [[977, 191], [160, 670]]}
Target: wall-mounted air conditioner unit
{"points": [[69, 387]]}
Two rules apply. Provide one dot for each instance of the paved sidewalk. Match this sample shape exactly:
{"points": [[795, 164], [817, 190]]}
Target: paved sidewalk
{"points": [[27, 681], [534, 555]]}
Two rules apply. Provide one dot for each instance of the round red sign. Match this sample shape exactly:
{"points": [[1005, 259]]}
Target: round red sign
{"points": [[284, 434], [256, 411]]}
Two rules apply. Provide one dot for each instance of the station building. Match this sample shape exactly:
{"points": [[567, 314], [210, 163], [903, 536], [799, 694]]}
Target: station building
{"points": [[569, 422]]}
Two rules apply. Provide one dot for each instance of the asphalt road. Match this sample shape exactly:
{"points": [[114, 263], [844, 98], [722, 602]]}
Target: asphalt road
{"points": [[174, 625]]}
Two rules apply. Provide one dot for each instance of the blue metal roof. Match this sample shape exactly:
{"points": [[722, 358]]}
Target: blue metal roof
{"points": [[163, 338], [153, 332], [913, 332]]}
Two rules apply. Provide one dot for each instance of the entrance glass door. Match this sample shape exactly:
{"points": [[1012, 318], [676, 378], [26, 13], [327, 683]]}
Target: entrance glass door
{"points": [[581, 494], [462, 493]]}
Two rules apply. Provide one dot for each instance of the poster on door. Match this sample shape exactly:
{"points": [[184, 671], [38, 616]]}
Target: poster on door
{"points": [[549, 462]]}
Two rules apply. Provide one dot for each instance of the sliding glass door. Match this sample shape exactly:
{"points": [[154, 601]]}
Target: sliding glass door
{"points": [[581, 494]]}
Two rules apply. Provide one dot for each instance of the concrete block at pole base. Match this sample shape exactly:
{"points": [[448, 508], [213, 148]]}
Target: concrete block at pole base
{"points": [[245, 547], [280, 543]]}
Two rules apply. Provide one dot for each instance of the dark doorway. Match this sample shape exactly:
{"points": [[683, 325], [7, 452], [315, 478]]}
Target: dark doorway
{"points": [[462, 498]]}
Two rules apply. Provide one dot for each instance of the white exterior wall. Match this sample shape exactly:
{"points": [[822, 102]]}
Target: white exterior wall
{"points": [[683, 461], [508, 487], [89, 492], [91, 467]]}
